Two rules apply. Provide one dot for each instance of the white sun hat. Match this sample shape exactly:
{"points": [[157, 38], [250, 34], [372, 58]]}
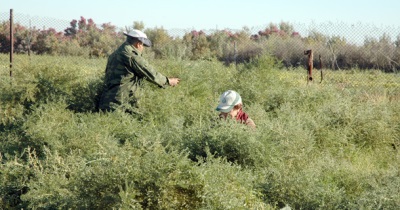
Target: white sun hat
{"points": [[228, 100], [139, 35]]}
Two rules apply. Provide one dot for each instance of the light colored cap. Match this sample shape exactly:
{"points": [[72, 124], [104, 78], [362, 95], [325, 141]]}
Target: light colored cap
{"points": [[140, 36], [228, 100]]}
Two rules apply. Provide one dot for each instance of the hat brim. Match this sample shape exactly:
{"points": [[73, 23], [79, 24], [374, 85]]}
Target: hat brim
{"points": [[225, 109], [146, 42]]}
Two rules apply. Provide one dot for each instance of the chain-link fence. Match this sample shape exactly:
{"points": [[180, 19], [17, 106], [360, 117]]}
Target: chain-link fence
{"points": [[335, 45]]}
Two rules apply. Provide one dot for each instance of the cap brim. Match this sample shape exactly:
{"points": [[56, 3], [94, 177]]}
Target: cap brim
{"points": [[146, 42], [225, 109]]}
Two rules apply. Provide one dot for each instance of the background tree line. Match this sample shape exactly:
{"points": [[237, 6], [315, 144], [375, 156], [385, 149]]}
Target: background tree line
{"points": [[85, 38]]}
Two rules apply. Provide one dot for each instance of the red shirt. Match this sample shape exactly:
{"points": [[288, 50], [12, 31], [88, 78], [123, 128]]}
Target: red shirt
{"points": [[242, 117]]}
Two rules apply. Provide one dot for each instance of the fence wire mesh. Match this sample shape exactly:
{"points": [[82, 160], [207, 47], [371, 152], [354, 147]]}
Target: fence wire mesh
{"points": [[335, 45]]}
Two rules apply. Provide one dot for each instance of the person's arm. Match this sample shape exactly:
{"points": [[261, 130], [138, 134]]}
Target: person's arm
{"points": [[143, 69], [250, 123]]}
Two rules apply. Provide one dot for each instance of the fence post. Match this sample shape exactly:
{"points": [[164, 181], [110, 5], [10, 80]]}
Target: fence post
{"points": [[309, 64], [235, 53], [320, 67], [11, 40], [29, 39]]}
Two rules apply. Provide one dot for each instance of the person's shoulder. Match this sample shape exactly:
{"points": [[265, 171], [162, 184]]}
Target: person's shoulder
{"points": [[250, 122], [247, 120], [126, 48]]}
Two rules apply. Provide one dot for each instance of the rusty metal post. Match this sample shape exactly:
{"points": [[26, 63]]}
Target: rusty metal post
{"points": [[309, 53], [320, 67], [11, 40], [29, 39], [235, 53]]}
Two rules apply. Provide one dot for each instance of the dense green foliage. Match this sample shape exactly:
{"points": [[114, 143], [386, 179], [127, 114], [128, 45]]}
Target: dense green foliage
{"points": [[328, 145]]}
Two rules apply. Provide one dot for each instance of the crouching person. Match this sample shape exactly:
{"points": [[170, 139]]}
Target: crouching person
{"points": [[125, 71], [231, 106]]}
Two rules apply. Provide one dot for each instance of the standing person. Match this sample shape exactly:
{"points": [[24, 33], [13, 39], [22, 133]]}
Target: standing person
{"points": [[230, 106], [125, 71]]}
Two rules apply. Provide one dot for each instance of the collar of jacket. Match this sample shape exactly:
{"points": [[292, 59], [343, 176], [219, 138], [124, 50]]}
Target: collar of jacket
{"points": [[134, 49]]}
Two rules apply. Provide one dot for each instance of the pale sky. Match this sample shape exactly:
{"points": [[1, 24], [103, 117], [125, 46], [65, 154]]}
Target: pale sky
{"points": [[213, 14]]}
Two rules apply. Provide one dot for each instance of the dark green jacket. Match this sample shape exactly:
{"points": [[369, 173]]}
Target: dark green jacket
{"points": [[125, 70]]}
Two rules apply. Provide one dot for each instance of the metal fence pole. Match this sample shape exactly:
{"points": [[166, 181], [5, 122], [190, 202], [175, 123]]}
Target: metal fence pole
{"points": [[320, 67], [11, 41], [310, 61], [29, 39], [235, 53]]}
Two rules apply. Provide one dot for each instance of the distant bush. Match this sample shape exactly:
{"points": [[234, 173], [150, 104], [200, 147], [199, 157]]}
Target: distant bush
{"points": [[83, 37]]}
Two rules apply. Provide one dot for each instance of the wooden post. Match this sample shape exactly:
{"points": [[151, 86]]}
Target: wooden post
{"points": [[309, 53], [320, 67], [235, 53], [29, 39], [11, 41]]}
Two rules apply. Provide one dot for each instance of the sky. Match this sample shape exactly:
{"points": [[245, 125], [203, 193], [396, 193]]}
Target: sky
{"points": [[213, 14]]}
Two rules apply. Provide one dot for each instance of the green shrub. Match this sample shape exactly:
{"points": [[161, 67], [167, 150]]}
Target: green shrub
{"points": [[330, 145], [14, 178], [230, 140]]}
